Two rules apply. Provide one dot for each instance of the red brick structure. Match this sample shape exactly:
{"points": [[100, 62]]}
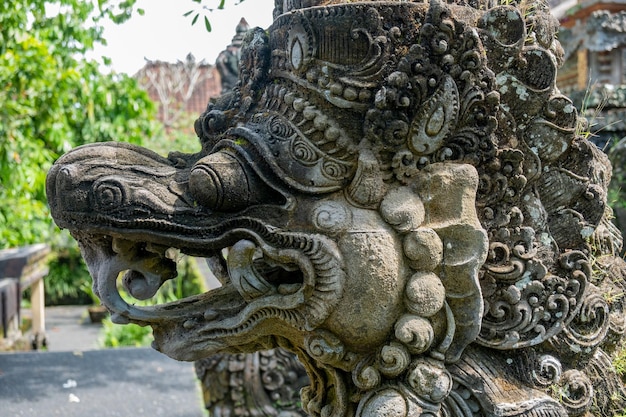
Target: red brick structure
{"points": [[181, 88]]}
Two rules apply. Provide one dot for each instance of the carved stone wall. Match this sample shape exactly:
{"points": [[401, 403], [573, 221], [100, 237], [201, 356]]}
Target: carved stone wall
{"points": [[260, 384], [405, 204]]}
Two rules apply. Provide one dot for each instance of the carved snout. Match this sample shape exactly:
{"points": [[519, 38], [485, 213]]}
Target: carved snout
{"points": [[221, 182]]}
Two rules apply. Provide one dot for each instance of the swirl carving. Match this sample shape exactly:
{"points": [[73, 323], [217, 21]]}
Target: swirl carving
{"points": [[610, 395], [526, 314], [393, 360], [331, 217], [365, 376], [327, 348], [334, 170], [281, 130], [546, 371], [589, 328], [575, 391], [304, 153], [109, 194]]}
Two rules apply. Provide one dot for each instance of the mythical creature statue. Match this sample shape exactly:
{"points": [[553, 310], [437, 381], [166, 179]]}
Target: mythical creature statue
{"points": [[395, 191], [227, 62]]}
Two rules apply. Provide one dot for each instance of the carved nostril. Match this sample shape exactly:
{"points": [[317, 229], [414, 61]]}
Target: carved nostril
{"points": [[65, 178], [108, 194]]}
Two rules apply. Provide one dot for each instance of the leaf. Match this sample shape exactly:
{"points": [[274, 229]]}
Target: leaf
{"points": [[188, 13], [195, 19], [207, 24], [52, 98], [141, 12], [221, 6]]}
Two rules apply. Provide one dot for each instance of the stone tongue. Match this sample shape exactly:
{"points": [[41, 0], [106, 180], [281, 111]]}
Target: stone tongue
{"points": [[146, 267], [145, 275]]}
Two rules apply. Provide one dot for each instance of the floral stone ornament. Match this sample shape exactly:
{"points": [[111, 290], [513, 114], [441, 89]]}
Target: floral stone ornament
{"points": [[406, 205]]}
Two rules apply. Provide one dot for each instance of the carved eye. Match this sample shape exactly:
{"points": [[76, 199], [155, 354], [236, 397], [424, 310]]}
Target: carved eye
{"points": [[108, 194], [431, 125], [299, 46]]}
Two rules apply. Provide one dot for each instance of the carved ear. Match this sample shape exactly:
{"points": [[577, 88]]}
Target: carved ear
{"points": [[367, 188]]}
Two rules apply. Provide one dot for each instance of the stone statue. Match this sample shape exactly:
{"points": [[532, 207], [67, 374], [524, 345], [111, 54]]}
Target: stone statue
{"points": [[227, 62], [259, 384], [396, 192]]}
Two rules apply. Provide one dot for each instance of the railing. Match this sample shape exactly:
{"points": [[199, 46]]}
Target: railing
{"points": [[22, 268]]}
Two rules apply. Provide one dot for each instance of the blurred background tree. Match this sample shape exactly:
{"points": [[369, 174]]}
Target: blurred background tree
{"points": [[53, 98]]}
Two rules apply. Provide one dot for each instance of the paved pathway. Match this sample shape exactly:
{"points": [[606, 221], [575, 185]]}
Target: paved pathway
{"points": [[100, 383], [68, 329], [76, 379]]}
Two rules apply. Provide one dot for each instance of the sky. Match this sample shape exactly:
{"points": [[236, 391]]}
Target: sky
{"points": [[164, 34]]}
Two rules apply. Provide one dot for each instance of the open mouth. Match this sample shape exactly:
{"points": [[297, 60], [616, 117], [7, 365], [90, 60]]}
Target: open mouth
{"points": [[247, 270], [133, 211], [288, 281]]}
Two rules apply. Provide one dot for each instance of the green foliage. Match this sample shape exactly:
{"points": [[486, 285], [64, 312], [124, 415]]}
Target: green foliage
{"points": [[68, 274], [87, 289], [53, 99], [115, 336], [619, 362], [204, 6]]}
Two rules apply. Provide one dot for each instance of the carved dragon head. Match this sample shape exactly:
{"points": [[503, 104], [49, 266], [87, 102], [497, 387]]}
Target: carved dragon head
{"points": [[383, 188]]}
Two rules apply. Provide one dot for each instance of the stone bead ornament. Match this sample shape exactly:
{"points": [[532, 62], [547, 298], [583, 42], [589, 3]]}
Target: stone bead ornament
{"points": [[405, 204]]}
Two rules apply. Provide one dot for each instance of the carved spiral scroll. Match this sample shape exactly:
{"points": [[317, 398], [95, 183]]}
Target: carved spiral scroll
{"points": [[575, 392], [546, 371], [528, 313], [589, 328]]}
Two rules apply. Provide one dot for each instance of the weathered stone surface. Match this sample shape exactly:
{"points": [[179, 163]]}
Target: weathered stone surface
{"points": [[257, 384], [405, 203]]}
